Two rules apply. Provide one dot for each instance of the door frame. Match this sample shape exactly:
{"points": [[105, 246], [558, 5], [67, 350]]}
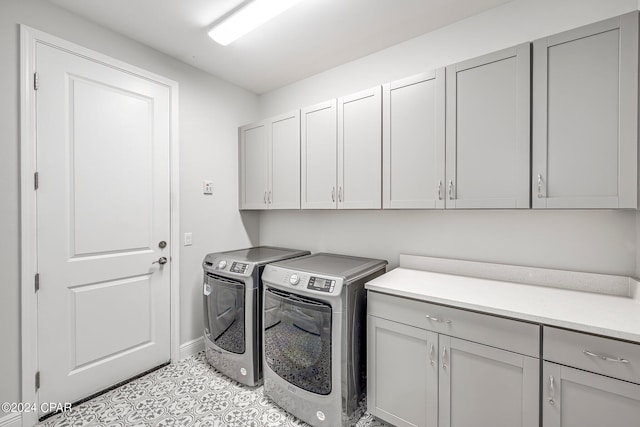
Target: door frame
{"points": [[29, 37]]}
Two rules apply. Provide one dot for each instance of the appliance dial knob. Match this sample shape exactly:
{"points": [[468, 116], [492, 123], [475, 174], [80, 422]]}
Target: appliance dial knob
{"points": [[294, 279], [222, 264]]}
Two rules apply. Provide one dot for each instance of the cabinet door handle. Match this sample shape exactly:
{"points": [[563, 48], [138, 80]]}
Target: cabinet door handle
{"points": [[340, 194], [444, 357], [269, 197], [440, 190], [265, 198], [606, 358], [552, 390], [333, 194], [432, 359], [450, 189], [539, 186], [437, 319]]}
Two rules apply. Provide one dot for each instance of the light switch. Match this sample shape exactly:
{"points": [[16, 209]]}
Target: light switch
{"points": [[207, 187], [188, 239]]}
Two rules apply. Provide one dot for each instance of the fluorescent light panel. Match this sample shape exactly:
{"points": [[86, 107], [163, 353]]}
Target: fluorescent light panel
{"points": [[248, 19]]}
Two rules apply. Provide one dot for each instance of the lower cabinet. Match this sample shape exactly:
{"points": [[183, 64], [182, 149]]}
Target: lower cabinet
{"points": [[402, 373], [418, 377], [589, 380], [486, 386], [576, 398]]}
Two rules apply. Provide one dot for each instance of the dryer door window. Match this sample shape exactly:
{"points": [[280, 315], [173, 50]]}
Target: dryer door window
{"points": [[297, 340], [224, 305]]}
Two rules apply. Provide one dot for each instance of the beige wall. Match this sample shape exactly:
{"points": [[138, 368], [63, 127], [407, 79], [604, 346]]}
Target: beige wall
{"points": [[210, 111]]}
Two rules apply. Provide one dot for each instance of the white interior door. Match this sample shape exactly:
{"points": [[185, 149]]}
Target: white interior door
{"points": [[103, 207]]}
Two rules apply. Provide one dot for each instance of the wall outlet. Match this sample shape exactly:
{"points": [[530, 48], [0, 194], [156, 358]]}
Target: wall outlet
{"points": [[207, 187], [188, 239]]}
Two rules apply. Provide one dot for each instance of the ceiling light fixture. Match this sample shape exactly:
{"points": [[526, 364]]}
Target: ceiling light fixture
{"points": [[248, 19]]}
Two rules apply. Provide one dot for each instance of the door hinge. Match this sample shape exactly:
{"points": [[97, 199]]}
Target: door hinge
{"points": [[38, 380], [37, 280], [36, 81], [36, 181]]}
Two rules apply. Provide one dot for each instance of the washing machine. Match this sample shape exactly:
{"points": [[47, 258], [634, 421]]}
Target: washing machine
{"points": [[233, 309], [314, 337]]}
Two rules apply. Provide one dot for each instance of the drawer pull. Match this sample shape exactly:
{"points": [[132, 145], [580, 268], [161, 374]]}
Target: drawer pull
{"points": [[608, 359], [436, 319]]}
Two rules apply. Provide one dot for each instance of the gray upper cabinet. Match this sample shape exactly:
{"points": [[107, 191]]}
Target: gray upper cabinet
{"points": [[270, 163], [284, 173], [414, 142], [488, 130], [585, 116], [319, 154], [360, 150], [342, 153], [253, 159]]}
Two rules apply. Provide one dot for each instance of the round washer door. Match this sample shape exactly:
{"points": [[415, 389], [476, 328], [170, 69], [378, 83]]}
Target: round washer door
{"points": [[224, 313], [297, 340]]}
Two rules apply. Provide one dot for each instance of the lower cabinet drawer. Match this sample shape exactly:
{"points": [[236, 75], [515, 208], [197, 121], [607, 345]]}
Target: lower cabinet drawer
{"points": [[508, 334], [606, 356]]}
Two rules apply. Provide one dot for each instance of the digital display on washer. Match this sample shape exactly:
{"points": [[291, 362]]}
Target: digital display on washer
{"points": [[238, 267], [320, 284]]}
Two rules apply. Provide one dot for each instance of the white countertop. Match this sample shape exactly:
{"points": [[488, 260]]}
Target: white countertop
{"points": [[613, 316]]}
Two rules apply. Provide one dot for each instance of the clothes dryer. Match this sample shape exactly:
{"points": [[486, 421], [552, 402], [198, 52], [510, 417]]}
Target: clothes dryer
{"points": [[232, 299]]}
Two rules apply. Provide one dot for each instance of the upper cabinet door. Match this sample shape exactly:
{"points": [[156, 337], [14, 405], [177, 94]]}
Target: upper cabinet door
{"points": [[488, 130], [585, 116], [319, 156], [414, 142], [253, 181], [284, 188], [360, 150]]}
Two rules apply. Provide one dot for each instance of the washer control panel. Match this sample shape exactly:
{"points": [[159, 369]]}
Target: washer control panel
{"points": [[321, 284], [301, 282]]}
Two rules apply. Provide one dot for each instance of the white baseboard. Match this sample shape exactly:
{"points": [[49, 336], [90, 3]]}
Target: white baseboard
{"points": [[190, 348], [11, 420]]}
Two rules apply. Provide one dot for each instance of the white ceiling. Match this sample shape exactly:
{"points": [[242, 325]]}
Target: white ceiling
{"points": [[311, 37]]}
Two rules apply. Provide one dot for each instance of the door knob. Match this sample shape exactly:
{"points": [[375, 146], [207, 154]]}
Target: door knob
{"points": [[161, 261]]}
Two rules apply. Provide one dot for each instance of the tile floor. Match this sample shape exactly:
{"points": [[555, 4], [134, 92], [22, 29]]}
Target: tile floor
{"points": [[188, 393]]}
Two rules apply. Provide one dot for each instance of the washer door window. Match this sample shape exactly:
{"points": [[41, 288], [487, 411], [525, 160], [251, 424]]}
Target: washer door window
{"points": [[224, 305], [297, 340]]}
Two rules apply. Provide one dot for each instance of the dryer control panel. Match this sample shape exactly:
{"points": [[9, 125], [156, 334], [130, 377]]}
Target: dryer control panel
{"points": [[224, 265]]}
